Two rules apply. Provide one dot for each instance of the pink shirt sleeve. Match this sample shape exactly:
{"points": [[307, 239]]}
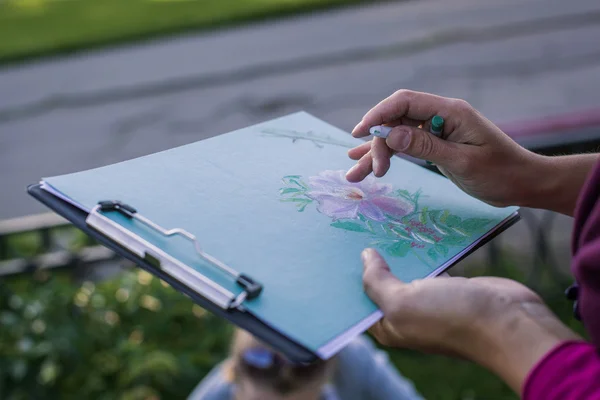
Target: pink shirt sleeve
{"points": [[571, 371]]}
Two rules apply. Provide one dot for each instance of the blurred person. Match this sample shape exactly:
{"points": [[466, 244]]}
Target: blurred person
{"points": [[497, 323], [253, 371]]}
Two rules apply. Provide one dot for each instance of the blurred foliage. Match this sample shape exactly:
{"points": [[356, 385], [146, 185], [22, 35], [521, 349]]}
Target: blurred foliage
{"points": [[23, 245], [31, 28], [132, 337], [31, 244]]}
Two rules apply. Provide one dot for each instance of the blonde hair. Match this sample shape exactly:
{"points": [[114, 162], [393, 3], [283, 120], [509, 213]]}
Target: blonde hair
{"points": [[287, 379]]}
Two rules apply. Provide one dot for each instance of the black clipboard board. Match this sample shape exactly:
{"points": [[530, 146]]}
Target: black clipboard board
{"points": [[293, 350]]}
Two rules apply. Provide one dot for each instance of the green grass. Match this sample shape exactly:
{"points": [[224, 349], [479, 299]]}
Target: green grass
{"points": [[31, 28]]}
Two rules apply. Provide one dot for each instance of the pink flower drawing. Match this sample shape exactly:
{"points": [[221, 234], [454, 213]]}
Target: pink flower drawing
{"points": [[340, 199]]}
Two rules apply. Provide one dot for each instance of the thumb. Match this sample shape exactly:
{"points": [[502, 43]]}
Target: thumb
{"points": [[420, 144], [379, 282]]}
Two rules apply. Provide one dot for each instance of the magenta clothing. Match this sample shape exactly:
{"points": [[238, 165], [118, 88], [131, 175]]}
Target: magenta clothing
{"points": [[571, 371]]}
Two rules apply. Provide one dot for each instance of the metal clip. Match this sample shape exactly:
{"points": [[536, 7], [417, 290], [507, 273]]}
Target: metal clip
{"points": [[219, 295]]}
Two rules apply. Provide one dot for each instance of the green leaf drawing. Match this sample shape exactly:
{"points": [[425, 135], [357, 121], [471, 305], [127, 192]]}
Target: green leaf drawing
{"points": [[303, 206], [379, 243], [295, 200], [404, 193], [422, 237], [474, 224], [434, 215], [431, 253], [399, 249], [453, 240], [423, 216], [461, 232], [349, 226], [440, 248], [291, 177], [387, 230], [452, 221], [416, 198], [289, 190], [444, 216], [370, 226], [401, 232], [443, 231], [299, 183]]}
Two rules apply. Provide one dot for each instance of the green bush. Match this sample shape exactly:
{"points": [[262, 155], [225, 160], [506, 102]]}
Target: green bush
{"points": [[132, 337]]}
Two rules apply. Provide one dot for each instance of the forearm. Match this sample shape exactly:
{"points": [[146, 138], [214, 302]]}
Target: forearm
{"points": [[512, 344], [555, 182]]}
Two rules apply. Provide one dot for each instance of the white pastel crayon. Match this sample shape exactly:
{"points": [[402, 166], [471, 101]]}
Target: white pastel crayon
{"points": [[380, 131]]}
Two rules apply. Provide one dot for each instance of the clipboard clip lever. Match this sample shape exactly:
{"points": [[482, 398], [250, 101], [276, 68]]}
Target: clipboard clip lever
{"points": [[251, 288]]}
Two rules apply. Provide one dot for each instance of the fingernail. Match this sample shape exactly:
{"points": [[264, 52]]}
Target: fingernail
{"points": [[352, 169], [365, 255], [399, 139], [375, 165], [350, 172]]}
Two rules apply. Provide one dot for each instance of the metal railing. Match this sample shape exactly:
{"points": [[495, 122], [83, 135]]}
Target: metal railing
{"points": [[44, 230]]}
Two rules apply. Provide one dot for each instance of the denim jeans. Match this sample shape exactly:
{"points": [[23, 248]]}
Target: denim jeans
{"points": [[362, 372]]}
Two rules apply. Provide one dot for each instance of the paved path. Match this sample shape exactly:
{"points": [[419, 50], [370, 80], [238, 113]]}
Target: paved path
{"points": [[511, 59]]}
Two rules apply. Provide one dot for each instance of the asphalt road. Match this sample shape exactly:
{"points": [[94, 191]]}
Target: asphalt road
{"points": [[512, 59]]}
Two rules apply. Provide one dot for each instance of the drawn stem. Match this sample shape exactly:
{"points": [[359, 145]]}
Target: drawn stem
{"points": [[421, 258], [308, 136]]}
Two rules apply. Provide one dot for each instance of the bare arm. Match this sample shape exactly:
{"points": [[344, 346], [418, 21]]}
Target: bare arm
{"points": [[514, 342], [557, 184]]}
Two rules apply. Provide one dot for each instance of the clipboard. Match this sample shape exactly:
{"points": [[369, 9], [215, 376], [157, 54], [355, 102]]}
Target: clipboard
{"points": [[216, 301], [231, 307], [304, 311]]}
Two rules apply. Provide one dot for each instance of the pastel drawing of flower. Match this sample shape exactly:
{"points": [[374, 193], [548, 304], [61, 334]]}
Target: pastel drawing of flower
{"points": [[340, 199], [394, 220]]}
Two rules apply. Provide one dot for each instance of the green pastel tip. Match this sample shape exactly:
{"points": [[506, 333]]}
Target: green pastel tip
{"points": [[437, 124]]}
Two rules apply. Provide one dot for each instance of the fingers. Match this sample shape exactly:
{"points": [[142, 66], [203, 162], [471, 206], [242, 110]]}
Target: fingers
{"points": [[380, 153], [361, 170], [384, 333], [380, 284], [374, 156], [406, 104], [420, 144], [359, 151], [405, 121]]}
